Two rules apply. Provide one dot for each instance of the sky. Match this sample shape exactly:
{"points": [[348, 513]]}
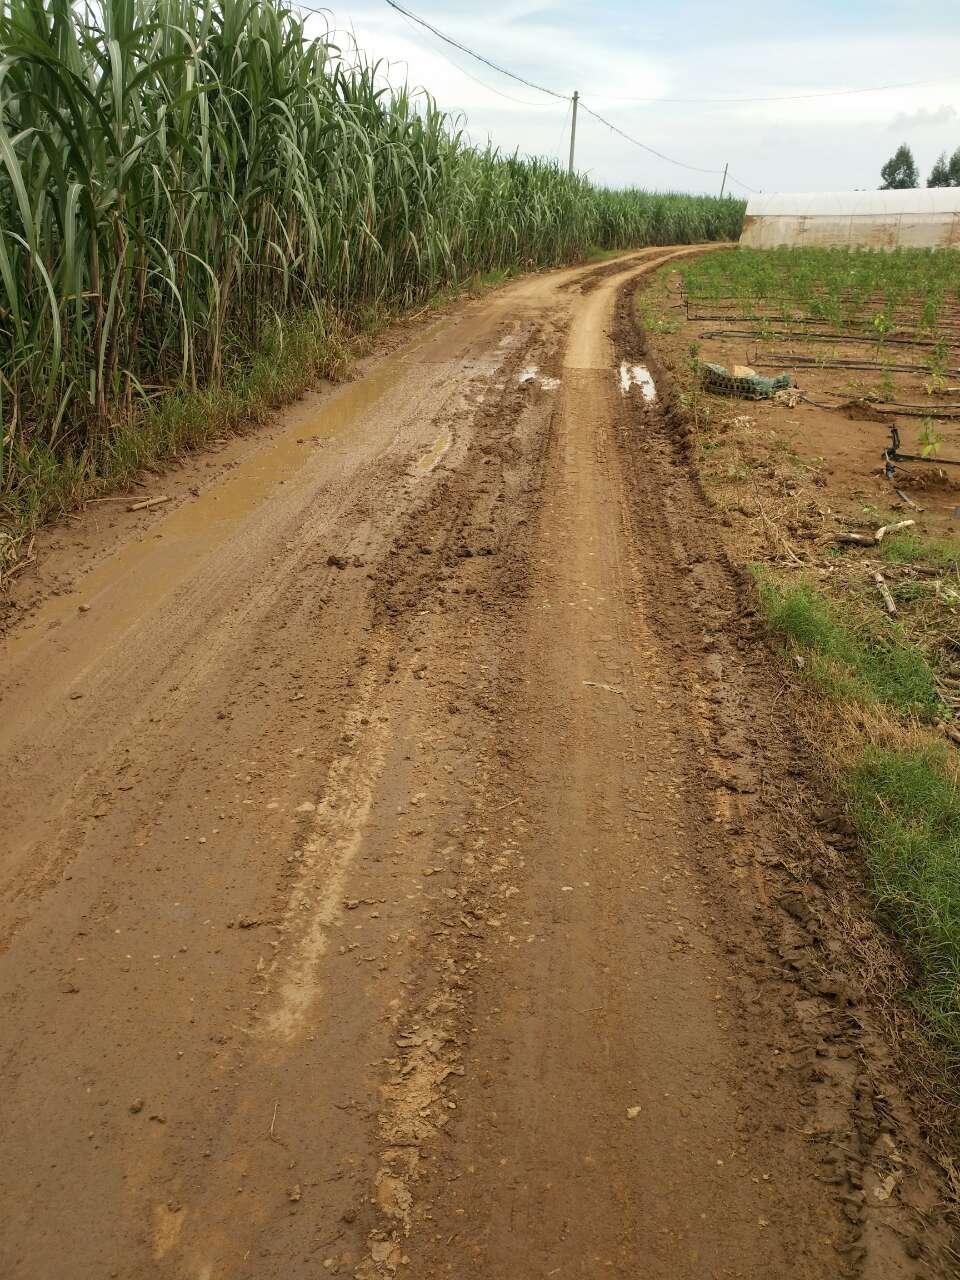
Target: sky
{"points": [[615, 51]]}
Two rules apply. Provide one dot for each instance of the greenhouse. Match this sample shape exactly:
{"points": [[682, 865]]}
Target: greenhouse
{"points": [[920, 218]]}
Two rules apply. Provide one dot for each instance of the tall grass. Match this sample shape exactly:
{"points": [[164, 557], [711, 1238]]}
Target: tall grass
{"points": [[906, 806], [178, 175]]}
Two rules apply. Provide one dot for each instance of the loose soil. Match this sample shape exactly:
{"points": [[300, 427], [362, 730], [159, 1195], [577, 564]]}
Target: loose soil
{"points": [[832, 442], [409, 868]]}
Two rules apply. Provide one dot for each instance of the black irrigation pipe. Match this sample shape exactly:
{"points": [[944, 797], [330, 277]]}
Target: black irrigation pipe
{"points": [[892, 455], [952, 326], [950, 413], [740, 315], [865, 339], [814, 362], [950, 317]]}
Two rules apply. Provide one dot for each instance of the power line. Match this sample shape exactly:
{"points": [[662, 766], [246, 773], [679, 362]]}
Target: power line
{"points": [[661, 155], [463, 49], [644, 147], [733, 178], [412, 17], [523, 102], [790, 97], [332, 31]]}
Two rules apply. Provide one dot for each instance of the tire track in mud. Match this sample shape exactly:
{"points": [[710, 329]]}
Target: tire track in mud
{"points": [[456, 921], [802, 1039], [453, 553], [468, 570], [518, 1187], [299, 708], [782, 840]]}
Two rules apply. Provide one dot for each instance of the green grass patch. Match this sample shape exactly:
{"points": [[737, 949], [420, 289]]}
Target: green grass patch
{"points": [[906, 807], [909, 547], [596, 254], [845, 657]]}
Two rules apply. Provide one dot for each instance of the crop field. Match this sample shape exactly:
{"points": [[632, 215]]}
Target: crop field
{"points": [[883, 293], [180, 182], [874, 336], [867, 626], [882, 313]]}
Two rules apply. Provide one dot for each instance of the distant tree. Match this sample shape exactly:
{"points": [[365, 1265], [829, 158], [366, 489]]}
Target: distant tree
{"points": [[945, 173], [900, 171], [940, 173]]}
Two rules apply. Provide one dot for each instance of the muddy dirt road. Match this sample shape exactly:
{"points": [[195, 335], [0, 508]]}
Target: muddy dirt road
{"points": [[398, 861]]}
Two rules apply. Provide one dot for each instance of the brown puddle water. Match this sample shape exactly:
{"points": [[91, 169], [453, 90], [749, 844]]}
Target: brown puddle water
{"points": [[167, 552], [427, 461]]}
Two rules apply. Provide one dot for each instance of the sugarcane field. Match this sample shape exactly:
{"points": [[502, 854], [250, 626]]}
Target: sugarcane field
{"points": [[480, 641]]}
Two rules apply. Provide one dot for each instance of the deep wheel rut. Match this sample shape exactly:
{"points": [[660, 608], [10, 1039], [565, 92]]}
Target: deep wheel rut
{"points": [[408, 870]]}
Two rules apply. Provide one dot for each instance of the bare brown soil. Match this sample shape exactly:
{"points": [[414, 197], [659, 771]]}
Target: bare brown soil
{"points": [[835, 433], [408, 868]]}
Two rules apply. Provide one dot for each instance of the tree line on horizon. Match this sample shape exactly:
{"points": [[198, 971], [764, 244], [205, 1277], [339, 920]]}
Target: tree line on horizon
{"points": [[901, 172]]}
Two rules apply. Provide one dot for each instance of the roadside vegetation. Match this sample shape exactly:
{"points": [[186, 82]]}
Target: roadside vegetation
{"points": [[905, 803], [894, 770], [188, 189], [845, 654], [870, 630]]}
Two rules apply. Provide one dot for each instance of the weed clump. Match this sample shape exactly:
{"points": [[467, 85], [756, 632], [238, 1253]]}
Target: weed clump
{"points": [[910, 548], [906, 806], [847, 660]]}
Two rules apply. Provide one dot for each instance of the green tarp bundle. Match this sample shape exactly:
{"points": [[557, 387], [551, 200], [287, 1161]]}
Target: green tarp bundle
{"points": [[720, 380]]}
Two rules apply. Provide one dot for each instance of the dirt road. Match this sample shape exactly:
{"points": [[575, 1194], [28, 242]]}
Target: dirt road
{"points": [[399, 864]]}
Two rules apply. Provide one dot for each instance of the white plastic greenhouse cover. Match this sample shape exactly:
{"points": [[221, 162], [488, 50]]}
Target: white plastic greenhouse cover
{"points": [[921, 218]]}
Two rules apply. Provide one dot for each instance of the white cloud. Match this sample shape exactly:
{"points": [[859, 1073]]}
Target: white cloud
{"points": [[925, 117], [813, 144]]}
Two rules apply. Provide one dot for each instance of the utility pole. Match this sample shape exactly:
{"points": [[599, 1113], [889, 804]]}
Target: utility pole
{"points": [[573, 127], [724, 182]]}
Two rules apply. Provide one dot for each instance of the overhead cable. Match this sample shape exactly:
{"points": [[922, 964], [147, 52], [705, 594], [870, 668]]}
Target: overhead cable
{"points": [[645, 147], [412, 17], [789, 97], [661, 155], [523, 102], [732, 177], [480, 58]]}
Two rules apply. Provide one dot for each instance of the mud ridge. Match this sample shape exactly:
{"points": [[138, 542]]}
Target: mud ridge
{"points": [[784, 877]]}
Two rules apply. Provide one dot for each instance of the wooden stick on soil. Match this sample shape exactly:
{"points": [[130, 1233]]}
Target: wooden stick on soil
{"points": [[907, 500], [892, 528], [872, 539], [888, 601], [146, 503], [856, 539]]}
